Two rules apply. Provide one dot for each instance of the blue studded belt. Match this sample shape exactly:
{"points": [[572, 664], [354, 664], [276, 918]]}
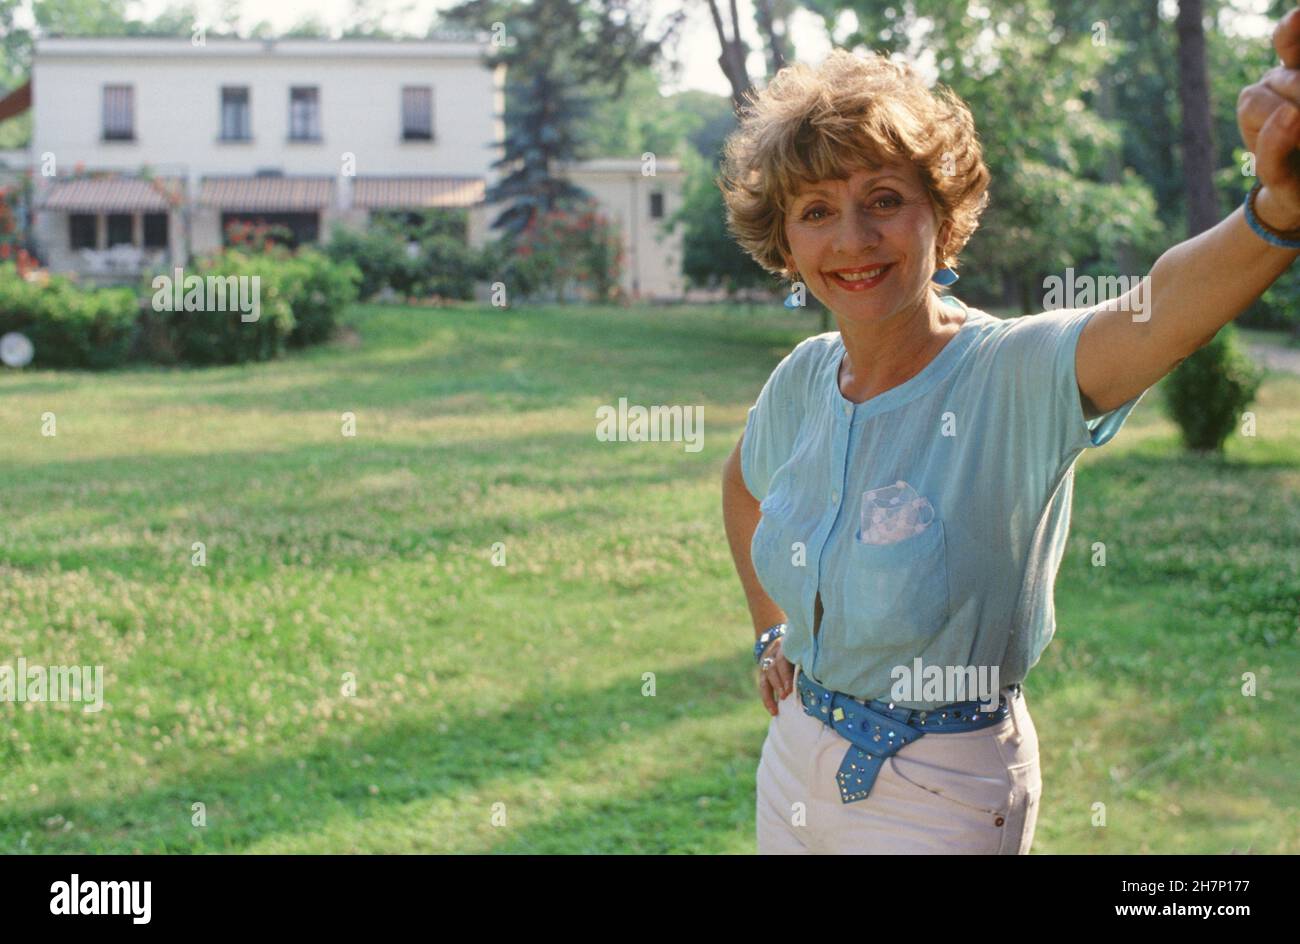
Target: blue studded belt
{"points": [[877, 730]]}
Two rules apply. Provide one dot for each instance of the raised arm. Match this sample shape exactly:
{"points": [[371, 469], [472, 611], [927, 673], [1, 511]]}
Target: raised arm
{"points": [[1198, 286]]}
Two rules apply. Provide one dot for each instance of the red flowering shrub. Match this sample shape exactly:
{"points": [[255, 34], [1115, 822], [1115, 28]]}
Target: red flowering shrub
{"points": [[258, 237], [570, 246]]}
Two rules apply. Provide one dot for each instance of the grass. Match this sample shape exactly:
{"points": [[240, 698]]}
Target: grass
{"points": [[503, 708]]}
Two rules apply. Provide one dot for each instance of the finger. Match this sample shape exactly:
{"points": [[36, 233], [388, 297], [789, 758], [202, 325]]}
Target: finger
{"points": [[773, 679], [766, 691], [1255, 105], [1286, 39], [785, 669], [1279, 136], [778, 684], [1284, 81]]}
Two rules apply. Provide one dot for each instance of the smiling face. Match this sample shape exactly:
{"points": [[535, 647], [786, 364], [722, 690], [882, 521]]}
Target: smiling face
{"points": [[866, 247]]}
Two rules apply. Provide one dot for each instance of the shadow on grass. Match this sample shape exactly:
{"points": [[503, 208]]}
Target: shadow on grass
{"points": [[414, 762]]}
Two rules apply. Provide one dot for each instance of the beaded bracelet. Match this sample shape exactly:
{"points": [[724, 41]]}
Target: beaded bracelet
{"points": [[1286, 240]]}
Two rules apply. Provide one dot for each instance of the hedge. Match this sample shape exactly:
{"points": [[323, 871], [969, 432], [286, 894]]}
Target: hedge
{"points": [[68, 326]]}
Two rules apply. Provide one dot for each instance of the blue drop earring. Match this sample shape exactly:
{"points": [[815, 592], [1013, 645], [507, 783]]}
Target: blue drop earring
{"points": [[790, 299], [944, 276]]}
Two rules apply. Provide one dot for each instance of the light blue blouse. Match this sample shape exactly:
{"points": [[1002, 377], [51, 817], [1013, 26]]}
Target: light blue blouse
{"points": [[988, 433]]}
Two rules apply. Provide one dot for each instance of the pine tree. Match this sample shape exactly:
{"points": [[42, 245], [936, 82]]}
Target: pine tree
{"points": [[559, 55]]}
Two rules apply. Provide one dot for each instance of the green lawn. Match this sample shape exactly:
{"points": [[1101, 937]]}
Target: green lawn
{"points": [[516, 692]]}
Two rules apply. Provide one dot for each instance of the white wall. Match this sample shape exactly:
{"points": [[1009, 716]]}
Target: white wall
{"points": [[178, 105], [177, 109], [652, 252]]}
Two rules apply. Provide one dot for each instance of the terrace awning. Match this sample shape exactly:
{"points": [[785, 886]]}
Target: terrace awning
{"points": [[113, 195], [267, 193], [413, 193]]}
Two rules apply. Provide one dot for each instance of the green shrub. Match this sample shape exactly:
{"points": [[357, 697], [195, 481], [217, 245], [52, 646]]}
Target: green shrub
{"points": [[447, 267], [1207, 392], [1279, 307], [379, 254], [439, 264], [318, 290], [68, 326], [301, 297], [223, 337]]}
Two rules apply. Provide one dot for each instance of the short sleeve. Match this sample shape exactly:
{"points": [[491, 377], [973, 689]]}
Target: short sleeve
{"points": [[772, 423], [1044, 348]]}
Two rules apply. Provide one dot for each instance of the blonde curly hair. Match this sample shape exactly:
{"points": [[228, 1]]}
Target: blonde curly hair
{"points": [[853, 111]]}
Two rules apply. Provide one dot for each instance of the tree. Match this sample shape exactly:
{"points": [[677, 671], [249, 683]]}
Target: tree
{"points": [[367, 20], [15, 43], [80, 17], [716, 120], [310, 26], [641, 119], [1194, 96], [711, 257], [769, 14], [559, 55], [15, 57], [733, 56], [1208, 390]]}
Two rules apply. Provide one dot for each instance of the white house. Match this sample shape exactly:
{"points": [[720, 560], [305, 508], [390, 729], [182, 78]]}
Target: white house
{"points": [[639, 196], [146, 148]]}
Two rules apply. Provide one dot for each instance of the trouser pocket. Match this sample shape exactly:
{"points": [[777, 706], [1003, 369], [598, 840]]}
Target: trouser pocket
{"points": [[1019, 750], [1022, 812]]}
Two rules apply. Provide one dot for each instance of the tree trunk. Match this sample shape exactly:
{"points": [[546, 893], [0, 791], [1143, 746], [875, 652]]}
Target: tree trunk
{"points": [[776, 46], [1194, 96], [1198, 180], [732, 59]]}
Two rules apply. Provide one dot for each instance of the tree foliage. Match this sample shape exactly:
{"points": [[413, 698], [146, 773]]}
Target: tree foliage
{"points": [[560, 57]]}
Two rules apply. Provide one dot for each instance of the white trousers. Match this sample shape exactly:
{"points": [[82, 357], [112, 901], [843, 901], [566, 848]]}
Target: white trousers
{"points": [[966, 792]]}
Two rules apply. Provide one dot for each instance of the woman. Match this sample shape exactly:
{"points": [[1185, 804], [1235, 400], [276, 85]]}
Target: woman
{"points": [[899, 501]]}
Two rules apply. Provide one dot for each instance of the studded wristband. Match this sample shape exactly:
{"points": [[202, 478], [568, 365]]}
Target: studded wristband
{"points": [[772, 632]]}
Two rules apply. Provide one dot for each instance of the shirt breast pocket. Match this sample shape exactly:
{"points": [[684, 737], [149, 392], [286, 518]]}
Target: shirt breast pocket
{"points": [[895, 596]]}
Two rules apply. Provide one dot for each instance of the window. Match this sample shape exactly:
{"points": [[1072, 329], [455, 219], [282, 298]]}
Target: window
{"points": [[302, 227], [155, 231], [656, 206], [119, 113], [81, 230], [417, 113], [304, 114], [235, 121], [119, 229]]}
